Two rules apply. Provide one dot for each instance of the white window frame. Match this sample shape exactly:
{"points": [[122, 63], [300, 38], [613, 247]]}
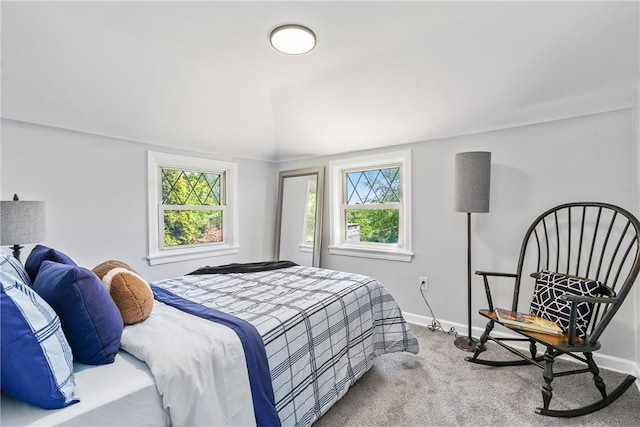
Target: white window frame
{"points": [[403, 250], [157, 253]]}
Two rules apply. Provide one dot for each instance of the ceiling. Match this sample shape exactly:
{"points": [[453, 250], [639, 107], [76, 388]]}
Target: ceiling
{"points": [[202, 75]]}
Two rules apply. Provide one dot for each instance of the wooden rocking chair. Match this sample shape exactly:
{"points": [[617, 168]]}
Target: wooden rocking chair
{"points": [[585, 245]]}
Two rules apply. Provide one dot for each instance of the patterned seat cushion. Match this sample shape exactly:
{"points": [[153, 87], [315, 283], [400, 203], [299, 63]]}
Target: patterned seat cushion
{"points": [[547, 304]]}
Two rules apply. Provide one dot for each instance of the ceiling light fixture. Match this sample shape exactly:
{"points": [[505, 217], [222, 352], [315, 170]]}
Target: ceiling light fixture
{"points": [[293, 39]]}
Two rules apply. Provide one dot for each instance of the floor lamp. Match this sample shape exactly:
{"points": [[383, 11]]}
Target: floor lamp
{"points": [[473, 177]]}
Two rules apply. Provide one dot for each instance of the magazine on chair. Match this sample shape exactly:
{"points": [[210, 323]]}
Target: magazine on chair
{"points": [[526, 321]]}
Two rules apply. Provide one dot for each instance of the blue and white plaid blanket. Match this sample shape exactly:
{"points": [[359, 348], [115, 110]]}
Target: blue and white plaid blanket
{"points": [[321, 328]]}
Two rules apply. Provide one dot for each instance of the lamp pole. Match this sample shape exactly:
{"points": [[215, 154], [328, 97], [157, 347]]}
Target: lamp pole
{"points": [[468, 343]]}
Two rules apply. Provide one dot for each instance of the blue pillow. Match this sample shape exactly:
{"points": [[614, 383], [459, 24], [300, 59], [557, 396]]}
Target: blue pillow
{"points": [[10, 265], [90, 319], [546, 300], [36, 365], [42, 253]]}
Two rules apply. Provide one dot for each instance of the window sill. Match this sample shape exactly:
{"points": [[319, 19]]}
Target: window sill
{"points": [[306, 248], [389, 255], [177, 255]]}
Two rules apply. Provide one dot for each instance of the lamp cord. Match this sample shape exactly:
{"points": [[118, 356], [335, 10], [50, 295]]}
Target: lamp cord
{"points": [[435, 324]]}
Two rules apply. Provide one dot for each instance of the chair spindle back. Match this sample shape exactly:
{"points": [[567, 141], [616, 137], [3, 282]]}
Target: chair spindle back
{"points": [[590, 240]]}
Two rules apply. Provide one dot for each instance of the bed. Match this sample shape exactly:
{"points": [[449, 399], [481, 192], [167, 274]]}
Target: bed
{"points": [[250, 344]]}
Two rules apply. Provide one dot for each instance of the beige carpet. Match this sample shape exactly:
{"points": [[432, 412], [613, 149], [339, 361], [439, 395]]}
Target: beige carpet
{"points": [[438, 388]]}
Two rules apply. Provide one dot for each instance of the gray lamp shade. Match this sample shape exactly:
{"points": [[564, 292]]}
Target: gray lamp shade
{"points": [[22, 222], [473, 179]]}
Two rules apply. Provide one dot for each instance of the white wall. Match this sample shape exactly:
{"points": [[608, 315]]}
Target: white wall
{"points": [[533, 168], [0, 171], [95, 189], [636, 129]]}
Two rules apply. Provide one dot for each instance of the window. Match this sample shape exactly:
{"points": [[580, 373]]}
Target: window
{"points": [[371, 209], [191, 208]]}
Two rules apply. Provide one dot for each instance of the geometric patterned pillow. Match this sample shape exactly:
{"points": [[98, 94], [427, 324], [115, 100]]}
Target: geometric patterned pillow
{"points": [[547, 304]]}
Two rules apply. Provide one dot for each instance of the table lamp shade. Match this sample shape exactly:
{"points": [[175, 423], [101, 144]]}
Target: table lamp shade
{"points": [[472, 180], [22, 222]]}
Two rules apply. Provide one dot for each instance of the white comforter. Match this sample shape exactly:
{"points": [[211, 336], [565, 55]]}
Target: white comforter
{"points": [[198, 365]]}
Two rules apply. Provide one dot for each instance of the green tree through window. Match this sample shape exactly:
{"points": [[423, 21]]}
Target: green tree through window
{"points": [[310, 223], [192, 206], [373, 199]]}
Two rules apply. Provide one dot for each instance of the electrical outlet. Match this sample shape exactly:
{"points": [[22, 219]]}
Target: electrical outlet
{"points": [[424, 283]]}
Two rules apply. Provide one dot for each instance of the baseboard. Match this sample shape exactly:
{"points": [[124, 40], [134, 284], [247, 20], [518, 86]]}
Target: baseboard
{"points": [[603, 360], [427, 321]]}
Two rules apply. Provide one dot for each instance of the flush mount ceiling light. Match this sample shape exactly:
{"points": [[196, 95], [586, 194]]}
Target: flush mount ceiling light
{"points": [[293, 39]]}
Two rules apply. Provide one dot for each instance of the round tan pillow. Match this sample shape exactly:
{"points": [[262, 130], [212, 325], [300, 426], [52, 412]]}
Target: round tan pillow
{"points": [[131, 293], [101, 269]]}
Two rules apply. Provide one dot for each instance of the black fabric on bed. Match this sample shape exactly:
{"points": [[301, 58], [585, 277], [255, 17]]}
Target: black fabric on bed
{"points": [[250, 267]]}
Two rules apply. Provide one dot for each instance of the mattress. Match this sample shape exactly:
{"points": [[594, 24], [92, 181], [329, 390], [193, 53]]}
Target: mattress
{"points": [[122, 393]]}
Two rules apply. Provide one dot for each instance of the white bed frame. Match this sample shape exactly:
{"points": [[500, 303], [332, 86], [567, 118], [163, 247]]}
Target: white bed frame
{"points": [[122, 393]]}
